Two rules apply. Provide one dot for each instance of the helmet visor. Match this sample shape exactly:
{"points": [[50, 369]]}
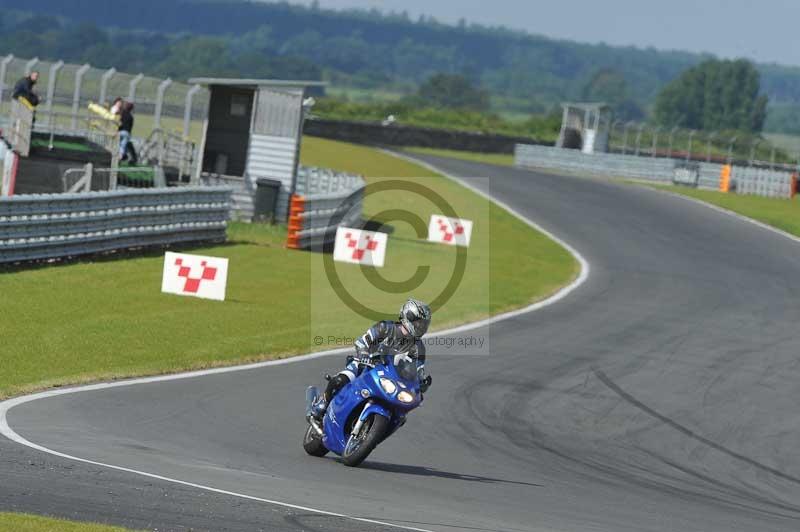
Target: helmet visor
{"points": [[418, 325]]}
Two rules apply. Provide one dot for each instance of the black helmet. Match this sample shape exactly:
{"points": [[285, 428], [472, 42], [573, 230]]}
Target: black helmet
{"points": [[416, 317]]}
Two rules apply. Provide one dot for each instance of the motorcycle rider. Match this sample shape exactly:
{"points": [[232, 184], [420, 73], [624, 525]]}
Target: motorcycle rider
{"points": [[403, 337]]}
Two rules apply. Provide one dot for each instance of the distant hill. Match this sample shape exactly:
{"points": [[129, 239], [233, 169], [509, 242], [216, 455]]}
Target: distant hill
{"points": [[524, 73]]}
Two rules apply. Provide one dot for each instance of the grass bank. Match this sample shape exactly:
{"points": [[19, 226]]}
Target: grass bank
{"points": [[105, 319], [29, 523], [782, 214], [502, 159]]}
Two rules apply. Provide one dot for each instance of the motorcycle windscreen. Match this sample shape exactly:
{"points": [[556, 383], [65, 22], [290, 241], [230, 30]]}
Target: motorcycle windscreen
{"points": [[406, 368]]}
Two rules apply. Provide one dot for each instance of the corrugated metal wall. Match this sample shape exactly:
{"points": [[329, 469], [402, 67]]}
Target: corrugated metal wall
{"points": [[278, 112], [273, 158], [274, 141]]}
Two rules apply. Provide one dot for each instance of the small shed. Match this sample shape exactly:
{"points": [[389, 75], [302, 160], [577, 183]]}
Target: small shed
{"points": [[585, 126], [254, 130]]}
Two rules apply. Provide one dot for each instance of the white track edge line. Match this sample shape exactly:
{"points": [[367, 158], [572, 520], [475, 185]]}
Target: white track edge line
{"points": [[7, 405]]}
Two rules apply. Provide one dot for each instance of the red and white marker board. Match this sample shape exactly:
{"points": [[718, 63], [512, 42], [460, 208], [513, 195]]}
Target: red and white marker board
{"points": [[195, 276], [358, 246], [451, 231]]}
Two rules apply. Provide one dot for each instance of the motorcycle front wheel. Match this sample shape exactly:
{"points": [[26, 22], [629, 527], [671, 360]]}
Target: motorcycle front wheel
{"points": [[312, 443], [360, 445]]}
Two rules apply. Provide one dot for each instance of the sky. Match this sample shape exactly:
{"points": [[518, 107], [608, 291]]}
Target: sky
{"points": [[763, 30]]}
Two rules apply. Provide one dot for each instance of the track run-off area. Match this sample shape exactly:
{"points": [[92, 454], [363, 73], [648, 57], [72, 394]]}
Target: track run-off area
{"points": [[660, 394]]}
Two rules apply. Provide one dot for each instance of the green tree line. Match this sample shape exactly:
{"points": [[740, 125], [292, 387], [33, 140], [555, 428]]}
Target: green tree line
{"points": [[511, 71]]}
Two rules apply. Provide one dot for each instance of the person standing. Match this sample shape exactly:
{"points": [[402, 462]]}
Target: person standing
{"points": [[24, 89], [126, 150], [116, 106]]}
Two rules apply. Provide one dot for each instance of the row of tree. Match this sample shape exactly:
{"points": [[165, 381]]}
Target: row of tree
{"points": [[365, 48], [710, 95]]}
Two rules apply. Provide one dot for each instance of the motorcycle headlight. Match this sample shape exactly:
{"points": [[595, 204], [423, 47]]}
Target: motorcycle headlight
{"points": [[388, 386], [405, 397]]}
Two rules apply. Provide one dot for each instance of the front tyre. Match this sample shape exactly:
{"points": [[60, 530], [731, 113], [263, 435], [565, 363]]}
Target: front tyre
{"points": [[312, 443], [360, 445]]}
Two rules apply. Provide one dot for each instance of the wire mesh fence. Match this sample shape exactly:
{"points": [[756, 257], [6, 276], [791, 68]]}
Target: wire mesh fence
{"points": [[69, 88], [723, 147]]}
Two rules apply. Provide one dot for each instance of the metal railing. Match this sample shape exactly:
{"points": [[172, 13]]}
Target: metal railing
{"points": [[656, 141], [164, 148], [44, 226], [744, 179], [67, 88], [20, 128]]}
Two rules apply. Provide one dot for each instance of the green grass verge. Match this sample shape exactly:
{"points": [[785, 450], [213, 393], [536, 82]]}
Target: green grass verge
{"points": [[503, 159], [29, 523], [89, 321], [60, 145], [782, 214]]}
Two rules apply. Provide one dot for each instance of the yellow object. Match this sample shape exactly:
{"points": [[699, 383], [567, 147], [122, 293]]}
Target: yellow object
{"points": [[725, 179], [24, 101], [102, 112]]}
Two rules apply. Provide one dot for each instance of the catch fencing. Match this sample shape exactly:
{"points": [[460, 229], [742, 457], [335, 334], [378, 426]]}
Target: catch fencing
{"points": [[46, 226], [742, 179], [67, 88]]}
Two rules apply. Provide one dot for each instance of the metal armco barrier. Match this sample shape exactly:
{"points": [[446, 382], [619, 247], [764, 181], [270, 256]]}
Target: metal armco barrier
{"points": [[744, 180], [765, 182], [597, 164], [318, 184], [314, 181], [325, 201], [43, 226]]}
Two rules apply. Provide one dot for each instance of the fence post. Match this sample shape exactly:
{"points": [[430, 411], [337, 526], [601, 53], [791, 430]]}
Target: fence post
{"points": [[187, 112], [671, 140], [625, 137], [730, 148], [162, 88], [656, 131], [772, 158], [710, 141], [692, 133], [76, 95], [639, 138], [88, 170], [52, 79], [611, 133], [132, 87], [753, 147], [3, 69], [30, 64], [104, 84]]}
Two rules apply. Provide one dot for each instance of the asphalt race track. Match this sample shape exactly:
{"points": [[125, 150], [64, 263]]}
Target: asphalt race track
{"points": [[660, 395]]}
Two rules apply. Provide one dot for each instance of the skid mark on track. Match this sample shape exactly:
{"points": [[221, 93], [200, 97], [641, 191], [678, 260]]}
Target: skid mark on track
{"points": [[690, 433]]}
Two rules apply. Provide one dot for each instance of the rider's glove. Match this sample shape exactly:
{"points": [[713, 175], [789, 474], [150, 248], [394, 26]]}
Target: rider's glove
{"points": [[364, 357], [425, 384]]}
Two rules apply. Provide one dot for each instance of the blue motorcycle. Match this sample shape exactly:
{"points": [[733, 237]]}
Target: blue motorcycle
{"points": [[365, 412]]}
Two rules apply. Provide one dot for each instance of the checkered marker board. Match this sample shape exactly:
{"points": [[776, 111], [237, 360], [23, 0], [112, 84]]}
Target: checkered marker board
{"points": [[357, 246], [195, 276], [452, 231]]}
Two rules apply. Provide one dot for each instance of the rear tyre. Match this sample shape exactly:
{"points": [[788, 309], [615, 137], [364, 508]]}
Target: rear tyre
{"points": [[359, 446], [312, 443]]}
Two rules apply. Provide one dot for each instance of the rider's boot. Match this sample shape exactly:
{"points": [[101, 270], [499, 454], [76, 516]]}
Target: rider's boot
{"points": [[319, 408]]}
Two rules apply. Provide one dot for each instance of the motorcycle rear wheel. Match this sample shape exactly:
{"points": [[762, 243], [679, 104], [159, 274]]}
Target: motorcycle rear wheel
{"points": [[312, 443], [358, 447]]}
